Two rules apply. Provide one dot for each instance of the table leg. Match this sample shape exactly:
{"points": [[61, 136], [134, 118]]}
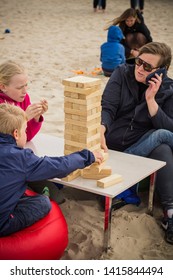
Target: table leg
{"points": [[107, 223], [151, 193]]}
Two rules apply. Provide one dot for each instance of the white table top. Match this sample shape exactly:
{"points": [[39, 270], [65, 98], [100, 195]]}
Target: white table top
{"points": [[132, 168]]}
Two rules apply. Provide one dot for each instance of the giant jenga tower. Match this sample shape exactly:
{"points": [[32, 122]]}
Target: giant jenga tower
{"points": [[82, 108]]}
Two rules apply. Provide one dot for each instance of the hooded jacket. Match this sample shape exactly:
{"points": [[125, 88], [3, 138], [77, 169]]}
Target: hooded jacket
{"points": [[19, 166], [125, 113], [32, 126], [112, 52]]}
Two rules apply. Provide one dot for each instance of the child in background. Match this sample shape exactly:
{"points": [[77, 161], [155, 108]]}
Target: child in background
{"points": [[13, 89], [112, 52], [136, 33], [18, 166]]}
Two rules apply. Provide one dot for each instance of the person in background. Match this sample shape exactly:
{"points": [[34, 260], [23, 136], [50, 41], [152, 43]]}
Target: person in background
{"points": [[135, 31], [112, 51], [131, 108], [13, 90], [137, 4], [99, 4], [19, 165]]}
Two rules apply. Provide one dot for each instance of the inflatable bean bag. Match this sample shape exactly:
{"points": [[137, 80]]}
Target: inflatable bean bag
{"points": [[44, 240]]}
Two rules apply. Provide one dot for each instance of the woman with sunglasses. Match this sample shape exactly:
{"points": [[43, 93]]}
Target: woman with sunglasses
{"points": [[135, 31], [131, 108]]}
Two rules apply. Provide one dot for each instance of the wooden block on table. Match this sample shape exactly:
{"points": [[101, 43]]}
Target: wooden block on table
{"points": [[72, 176], [109, 181], [88, 173]]}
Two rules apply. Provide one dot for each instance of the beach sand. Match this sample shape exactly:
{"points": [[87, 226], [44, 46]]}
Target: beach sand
{"points": [[52, 39]]}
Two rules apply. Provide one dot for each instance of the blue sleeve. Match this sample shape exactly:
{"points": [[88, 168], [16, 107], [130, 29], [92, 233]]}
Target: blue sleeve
{"points": [[42, 168]]}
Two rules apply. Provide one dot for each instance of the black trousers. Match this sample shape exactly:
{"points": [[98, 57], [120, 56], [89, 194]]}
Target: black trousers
{"points": [[134, 3], [164, 178], [96, 3]]}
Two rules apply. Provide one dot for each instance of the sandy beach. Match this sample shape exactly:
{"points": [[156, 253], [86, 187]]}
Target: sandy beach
{"points": [[53, 39]]}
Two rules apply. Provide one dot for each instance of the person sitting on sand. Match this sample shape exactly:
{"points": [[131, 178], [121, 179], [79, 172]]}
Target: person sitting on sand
{"points": [[135, 31], [112, 51]]}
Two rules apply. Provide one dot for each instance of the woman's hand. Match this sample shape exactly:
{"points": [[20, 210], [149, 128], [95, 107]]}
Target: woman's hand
{"points": [[154, 85], [102, 139]]}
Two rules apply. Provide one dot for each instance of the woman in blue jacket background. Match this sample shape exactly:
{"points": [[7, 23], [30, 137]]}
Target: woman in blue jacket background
{"points": [[112, 51]]}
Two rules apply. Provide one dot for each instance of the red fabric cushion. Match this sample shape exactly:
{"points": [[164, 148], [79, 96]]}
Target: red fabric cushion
{"points": [[44, 240]]}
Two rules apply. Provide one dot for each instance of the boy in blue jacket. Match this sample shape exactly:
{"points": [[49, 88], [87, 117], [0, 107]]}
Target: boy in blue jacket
{"points": [[112, 52], [19, 165]]}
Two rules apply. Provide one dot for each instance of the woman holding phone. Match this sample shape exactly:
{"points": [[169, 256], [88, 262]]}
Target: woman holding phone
{"points": [[131, 108]]}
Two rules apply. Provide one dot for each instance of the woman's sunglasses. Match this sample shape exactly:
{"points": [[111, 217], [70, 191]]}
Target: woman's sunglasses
{"points": [[147, 67]]}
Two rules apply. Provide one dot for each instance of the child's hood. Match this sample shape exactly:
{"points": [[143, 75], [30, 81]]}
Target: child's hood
{"points": [[114, 34]]}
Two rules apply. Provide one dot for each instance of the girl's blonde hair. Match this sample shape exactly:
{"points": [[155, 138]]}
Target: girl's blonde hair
{"points": [[11, 117], [8, 69], [122, 18]]}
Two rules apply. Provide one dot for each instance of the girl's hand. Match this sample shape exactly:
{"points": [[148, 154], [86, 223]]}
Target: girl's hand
{"points": [[34, 111], [44, 104]]}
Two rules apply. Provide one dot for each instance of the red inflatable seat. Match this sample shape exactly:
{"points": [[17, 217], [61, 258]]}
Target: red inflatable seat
{"points": [[44, 240]]}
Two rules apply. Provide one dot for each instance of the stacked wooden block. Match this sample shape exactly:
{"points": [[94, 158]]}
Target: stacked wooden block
{"points": [[82, 108]]}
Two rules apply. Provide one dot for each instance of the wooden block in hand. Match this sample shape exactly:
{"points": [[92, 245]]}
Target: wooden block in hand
{"points": [[109, 181]]}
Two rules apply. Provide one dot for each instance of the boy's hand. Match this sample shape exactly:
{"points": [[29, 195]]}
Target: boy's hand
{"points": [[98, 157]]}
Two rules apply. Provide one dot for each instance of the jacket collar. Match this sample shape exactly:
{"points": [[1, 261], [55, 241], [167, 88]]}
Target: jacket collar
{"points": [[7, 139]]}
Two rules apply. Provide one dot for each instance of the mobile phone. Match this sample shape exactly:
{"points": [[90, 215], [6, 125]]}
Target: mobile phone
{"points": [[158, 71]]}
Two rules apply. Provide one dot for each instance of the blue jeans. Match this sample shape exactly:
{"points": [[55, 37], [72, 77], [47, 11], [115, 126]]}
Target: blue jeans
{"points": [[29, 210], [149, 141]]}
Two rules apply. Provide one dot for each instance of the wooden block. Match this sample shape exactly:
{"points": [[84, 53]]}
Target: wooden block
{"points": [[86, 102], [68, 149], [84, 123], [109, 181], [83, 120], [81, 81], [72, 176], [86, 112], [88, 173]]}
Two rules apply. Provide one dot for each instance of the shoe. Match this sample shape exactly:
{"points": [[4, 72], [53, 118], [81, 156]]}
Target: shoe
{"points": [[46, 192], [167, 225], [116, 203]]}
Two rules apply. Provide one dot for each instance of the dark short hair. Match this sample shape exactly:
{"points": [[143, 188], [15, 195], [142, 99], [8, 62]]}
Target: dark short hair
{"points": [[161, 49]]}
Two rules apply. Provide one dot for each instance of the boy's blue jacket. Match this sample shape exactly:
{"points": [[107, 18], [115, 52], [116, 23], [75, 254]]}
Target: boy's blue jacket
{"points": [[112, 52], [18, 166]]}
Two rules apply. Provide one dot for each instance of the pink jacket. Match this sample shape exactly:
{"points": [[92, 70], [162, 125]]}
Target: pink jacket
{"points": [[32, 126]]}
